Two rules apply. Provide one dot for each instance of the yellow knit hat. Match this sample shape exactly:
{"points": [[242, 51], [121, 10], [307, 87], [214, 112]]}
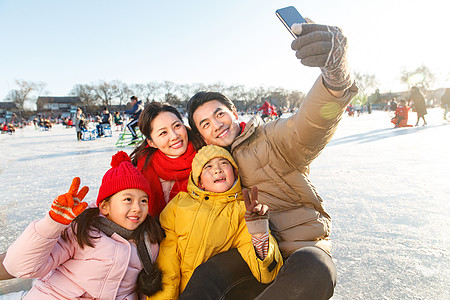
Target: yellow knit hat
{"points": [[204, 155]]}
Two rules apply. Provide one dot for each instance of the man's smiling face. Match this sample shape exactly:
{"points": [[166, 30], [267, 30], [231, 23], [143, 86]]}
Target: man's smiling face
{"points": [[217, 124]]}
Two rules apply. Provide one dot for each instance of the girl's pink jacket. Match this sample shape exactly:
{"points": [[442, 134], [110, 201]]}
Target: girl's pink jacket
{"points": [[107, 271]]}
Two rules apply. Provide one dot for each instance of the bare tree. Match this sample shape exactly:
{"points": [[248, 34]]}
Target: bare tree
{"points": [[186, 91], [16, 97], [40, 88], [86, 93], [260, 93], [235, 92], [22, 94], [123, 91], [217, 87], [197, 87], [295, 98], [168, 87], [151, 90], [422, 77], [106, 92], [367, 83], [249, 98], [278, 96]]}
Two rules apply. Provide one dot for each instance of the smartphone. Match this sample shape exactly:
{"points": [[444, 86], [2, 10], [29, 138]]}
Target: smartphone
{"points": [[288, 16]]}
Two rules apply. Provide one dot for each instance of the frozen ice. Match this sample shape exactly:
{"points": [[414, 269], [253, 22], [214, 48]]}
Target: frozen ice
{"points": [[387, 191]]}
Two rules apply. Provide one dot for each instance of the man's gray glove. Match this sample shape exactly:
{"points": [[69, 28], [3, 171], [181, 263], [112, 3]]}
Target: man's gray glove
{"points": [[325, 47]]}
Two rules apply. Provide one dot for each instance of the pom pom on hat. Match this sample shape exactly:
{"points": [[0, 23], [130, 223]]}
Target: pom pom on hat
{"points": [[118, 158], [123, 175]]}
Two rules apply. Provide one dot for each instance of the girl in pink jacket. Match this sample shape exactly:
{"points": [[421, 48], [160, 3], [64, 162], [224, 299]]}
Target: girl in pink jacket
{"points": [[103, 252]]}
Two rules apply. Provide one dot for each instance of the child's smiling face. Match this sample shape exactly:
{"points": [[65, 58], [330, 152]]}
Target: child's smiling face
{"points": [[127, 208], [217, 175]]}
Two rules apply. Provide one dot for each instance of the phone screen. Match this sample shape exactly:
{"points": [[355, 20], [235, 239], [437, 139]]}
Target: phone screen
{"points": [[288, 16]]}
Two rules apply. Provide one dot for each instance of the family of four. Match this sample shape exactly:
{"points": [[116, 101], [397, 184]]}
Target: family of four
{"points": [[215, 242]]}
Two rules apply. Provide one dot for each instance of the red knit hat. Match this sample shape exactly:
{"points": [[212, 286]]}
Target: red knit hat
{"points": [[123, 175]]}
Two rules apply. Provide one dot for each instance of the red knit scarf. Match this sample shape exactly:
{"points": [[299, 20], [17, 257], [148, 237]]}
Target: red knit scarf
{"points": [[169, 169]]}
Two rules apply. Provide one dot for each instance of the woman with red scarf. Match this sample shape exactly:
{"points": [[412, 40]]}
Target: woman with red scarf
{"points": [[166, 154]]}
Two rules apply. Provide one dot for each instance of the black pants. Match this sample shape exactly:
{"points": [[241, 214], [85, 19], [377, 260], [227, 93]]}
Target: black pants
{"points": [[309, 273], [131, 125]]}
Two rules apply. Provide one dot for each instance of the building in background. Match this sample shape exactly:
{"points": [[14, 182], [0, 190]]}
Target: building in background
{"points": [[7, 110], [57, 106]]}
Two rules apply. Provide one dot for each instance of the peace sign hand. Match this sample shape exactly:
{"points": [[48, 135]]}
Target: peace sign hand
{"points": [[68, 206], [257, 214]]}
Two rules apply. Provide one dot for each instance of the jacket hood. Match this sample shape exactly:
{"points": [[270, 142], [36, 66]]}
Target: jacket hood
{"points": [[235, 192]]}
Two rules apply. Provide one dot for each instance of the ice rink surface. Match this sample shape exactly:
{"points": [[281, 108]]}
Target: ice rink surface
{"points": [[387, 191]]}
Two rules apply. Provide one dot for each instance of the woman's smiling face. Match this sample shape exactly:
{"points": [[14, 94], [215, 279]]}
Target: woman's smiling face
{"points": [[169, 135]]}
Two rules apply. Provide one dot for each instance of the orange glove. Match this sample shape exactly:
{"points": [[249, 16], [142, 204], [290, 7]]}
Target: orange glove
{"points": [[68, 206]]}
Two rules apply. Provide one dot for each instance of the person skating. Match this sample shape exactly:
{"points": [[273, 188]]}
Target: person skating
{"points": [[134, 112], [445, 102], [400, 118], [419, 104], [105, 120], [80, 123]]}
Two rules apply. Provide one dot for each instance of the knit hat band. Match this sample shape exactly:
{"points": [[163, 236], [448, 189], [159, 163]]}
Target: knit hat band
{"points": [[123, 175]]}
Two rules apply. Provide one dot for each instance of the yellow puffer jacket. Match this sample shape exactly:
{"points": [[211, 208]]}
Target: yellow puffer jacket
{"points": [[201, 224], [276, 156]]}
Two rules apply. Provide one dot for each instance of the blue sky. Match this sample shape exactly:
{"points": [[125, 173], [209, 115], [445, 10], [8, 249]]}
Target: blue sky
{"points": [[63, 43]]}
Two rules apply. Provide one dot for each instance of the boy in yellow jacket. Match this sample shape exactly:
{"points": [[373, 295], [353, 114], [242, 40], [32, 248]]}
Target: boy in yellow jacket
{"points": [[214, 216]]}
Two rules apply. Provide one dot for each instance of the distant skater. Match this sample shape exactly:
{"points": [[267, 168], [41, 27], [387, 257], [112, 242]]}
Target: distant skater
{"points": [[401, 115], [118, 121], [135, 112], [445, 102], [80, 123], [419, 104]]}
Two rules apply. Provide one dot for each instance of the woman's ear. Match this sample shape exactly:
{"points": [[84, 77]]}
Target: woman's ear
{"points": [[150, 143]]}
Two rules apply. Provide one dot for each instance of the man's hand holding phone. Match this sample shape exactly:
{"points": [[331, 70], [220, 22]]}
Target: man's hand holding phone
{"points": [[320, 46]]}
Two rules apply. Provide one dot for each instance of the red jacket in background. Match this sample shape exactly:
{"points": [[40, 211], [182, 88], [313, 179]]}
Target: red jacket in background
{"points": [[402, 111]]}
